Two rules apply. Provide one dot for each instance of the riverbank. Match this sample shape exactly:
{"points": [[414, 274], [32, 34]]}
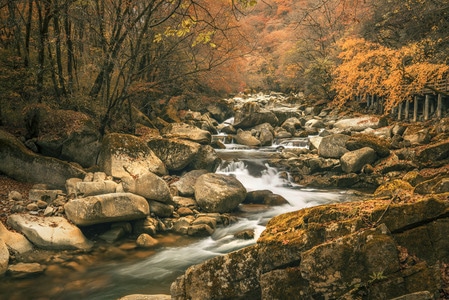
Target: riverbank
{"points": [[343, 150]]}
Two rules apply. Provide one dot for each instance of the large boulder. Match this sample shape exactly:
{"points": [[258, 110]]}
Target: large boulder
{"points": [[183, 155], [379, 248], [251, 114], [361, 123], [333, 146], [353, 161], [106, 208], [54, 233], [219, 193], [186, 132], [150, 186], [124, 154], [22, 164]]}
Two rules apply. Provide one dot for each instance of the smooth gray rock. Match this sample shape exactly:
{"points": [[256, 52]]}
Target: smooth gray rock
{"points": [[353, 161], [333, 146], [361, 123], [149, 186], [49, 232], [244, 137], [106, 208], [219, 193]]}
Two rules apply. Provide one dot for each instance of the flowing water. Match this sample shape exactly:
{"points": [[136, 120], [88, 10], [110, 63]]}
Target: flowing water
{"points": [[152, 272]]}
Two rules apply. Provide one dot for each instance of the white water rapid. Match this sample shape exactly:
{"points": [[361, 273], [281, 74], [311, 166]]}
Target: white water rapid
{"points": [[155, 273]]}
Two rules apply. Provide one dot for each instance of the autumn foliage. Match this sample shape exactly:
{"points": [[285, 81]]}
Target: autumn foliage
{"points": [[103, 56], [369, 68]]}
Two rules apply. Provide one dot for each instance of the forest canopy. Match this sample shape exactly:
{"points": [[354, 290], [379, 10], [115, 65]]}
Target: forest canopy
{"points": [[102, 56]]}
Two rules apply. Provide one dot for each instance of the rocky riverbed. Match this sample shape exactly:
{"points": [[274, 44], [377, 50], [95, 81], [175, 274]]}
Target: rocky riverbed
{"points": [[122, 191]]}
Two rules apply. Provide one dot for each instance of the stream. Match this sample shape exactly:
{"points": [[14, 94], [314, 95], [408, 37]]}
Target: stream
{"points": [[151, 272]]}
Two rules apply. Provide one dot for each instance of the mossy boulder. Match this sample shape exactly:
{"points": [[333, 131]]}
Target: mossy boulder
{"points": [[365, 140], [127, 155], [367, 249]]}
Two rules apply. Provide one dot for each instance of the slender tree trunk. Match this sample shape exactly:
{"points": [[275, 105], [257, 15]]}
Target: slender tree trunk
{"points": [[28, 33], [69, 45], [44, 21], [60, 72]]}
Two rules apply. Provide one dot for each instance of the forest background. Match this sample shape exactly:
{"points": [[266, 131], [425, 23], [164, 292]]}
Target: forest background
{"points": [[101, 57]]}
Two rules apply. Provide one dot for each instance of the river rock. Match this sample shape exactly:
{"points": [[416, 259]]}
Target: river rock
{"points": [[314, 142], [149, 185], [49, 232], [14, 240], [25, 270], [177, 154], [106, 208], [206, 159], [161, 210], [331, 251], [353, 161], [146, 241], [186, 132], [187, 181], [417, 135], [265, 197], [218, 192], [361, 123], [434, 152], [314, 123], [246, 138], [377, 144], [148, 225], [4, 257], [123, 155], [33, 167], [291, 125], [251, 114], [264, 133], [92, 188], [333, 146]]}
